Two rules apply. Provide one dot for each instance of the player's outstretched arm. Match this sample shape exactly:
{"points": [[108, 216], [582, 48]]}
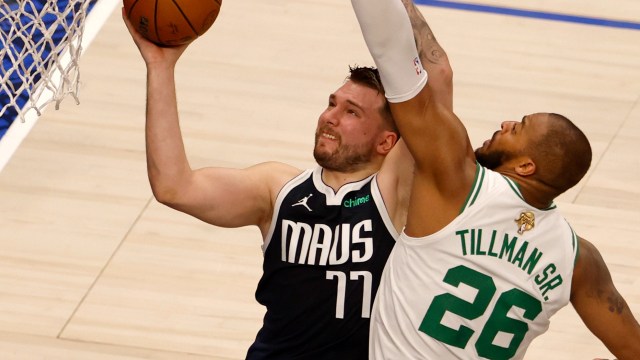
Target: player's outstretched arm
{"points": [[444, 160], [601, 307], [433, 57], [396, 174], [219, 196]]}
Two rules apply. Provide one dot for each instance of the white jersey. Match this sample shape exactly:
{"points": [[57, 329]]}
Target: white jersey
{"points": [[482, 287]]}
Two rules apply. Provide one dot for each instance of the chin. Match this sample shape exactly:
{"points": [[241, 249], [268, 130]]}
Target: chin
{"points": [[490, 160]]}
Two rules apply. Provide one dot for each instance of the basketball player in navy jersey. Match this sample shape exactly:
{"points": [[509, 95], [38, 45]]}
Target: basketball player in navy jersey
{"points": [[485, 258], [327, 231]]}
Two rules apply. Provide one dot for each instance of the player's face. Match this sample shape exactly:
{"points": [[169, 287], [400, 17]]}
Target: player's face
{"points": [[511, 140], [349, 128]]}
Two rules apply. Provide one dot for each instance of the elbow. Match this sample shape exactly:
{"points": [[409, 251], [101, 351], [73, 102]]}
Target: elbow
{"points": [[443, 75], [164, 197], [440, 82], [448, 75], [167, 186], [165, 194]]}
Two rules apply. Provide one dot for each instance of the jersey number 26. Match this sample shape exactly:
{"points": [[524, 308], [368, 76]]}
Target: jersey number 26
{"points": [[498, 321]]}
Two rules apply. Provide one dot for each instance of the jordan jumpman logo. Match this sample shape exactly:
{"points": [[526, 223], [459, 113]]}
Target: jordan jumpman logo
{"points": [[303, 202]]}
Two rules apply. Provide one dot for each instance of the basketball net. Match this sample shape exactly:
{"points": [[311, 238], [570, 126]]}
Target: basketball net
{"points": [[39, 52]]}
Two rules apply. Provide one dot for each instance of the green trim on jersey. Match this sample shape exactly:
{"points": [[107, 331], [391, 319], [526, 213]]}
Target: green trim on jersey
{"points": [[516, 189], [475, 189], [514, 186], [576, 244]]}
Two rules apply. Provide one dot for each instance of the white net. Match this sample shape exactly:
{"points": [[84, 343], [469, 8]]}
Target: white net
{"points": [[39, 51]]}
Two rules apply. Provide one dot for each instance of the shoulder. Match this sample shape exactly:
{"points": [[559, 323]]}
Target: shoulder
{"points": [[279, 169], [590, 270], [267, 178], [276, 174], [588, 255]]}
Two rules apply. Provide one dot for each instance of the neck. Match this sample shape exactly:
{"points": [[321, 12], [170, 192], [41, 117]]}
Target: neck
{"points": [[336, 179], [534, 193]]}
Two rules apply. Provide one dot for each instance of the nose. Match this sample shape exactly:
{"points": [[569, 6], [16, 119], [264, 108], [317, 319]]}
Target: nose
{"points": [[507, 125], [329, 116]]}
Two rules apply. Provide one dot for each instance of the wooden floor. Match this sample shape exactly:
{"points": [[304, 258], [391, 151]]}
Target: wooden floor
{"points": [[92, 267]]}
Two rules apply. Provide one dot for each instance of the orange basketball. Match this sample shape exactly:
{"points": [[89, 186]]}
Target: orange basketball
{"points": [[172, 22]]}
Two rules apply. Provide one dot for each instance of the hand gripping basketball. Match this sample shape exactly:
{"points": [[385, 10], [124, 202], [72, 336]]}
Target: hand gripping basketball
{"points": [[172, 22]]}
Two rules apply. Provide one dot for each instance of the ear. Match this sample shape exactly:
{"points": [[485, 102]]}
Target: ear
{"points": [[525, 166], [389, 139]]}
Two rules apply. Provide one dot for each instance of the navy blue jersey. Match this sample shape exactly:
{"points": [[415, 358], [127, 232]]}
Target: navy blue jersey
{"points": [[323, 259]]}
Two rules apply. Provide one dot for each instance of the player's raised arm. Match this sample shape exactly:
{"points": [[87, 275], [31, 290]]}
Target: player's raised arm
{"points": [[433, 57], [397, 170], [422, 108], [219, 196], [601, 307]]}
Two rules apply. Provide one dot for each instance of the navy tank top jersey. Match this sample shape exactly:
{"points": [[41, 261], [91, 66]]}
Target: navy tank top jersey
{"points": [[323, 259]]}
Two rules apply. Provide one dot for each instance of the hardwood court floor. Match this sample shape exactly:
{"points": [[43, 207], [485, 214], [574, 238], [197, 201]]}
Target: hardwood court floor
{"points": [[92, 267]]}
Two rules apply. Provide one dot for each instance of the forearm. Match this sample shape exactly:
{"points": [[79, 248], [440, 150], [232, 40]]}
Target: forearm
{"points": [[167, 163], [433, 57], [602, 308], [608, 318], [631, 351], [630, 346], [387, 31], [428, 48]]}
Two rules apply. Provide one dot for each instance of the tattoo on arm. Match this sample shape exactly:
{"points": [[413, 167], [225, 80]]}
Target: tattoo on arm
{"points": [[428, 47], [616, 303]]}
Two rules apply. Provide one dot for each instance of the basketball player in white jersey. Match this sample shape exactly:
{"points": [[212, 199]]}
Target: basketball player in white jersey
{"points": [[327, 231], [485, 258]]}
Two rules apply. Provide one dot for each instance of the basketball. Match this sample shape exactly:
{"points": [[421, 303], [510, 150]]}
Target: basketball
{"points": [[172, 22]]}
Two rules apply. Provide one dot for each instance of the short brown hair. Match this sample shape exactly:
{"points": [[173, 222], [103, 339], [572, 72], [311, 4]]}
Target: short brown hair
{"points": [[370, 77]]}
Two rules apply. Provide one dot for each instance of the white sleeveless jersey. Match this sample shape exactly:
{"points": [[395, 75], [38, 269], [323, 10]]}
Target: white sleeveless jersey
{"points": [[483, 287]]}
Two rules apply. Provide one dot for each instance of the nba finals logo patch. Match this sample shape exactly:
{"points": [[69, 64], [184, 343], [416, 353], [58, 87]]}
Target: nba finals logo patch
{"points": [[525, 222]]}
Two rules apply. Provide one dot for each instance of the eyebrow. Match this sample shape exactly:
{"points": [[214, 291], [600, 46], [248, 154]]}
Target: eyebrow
{"points": [[349, 101], [356, 105]]}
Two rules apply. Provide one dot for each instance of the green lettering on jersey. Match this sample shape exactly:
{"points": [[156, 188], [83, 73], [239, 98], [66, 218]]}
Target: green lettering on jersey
{"points": [[508, 246]]}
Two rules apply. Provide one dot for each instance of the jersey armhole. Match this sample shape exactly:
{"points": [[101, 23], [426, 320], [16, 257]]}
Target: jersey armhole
{"points": [[276, 207], [475, 189], [576, 246], [382, 208]]}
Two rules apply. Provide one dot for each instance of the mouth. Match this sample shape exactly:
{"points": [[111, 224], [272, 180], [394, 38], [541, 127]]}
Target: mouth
{"points": [[489, 141], [328, 136], [327, 133]]}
